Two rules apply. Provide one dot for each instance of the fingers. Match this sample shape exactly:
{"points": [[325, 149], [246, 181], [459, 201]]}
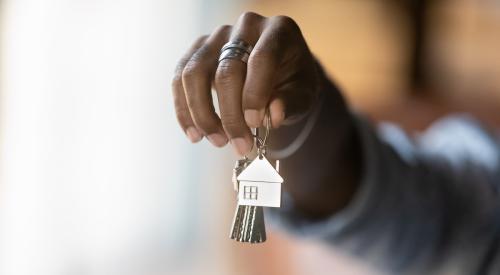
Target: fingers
{"points": [[197, 79], [229, 81], [180, 103], [244, 91], [263, 64]]}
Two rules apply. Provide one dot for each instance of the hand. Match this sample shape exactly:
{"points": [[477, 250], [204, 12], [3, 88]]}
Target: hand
{"points": [[281, 75]]}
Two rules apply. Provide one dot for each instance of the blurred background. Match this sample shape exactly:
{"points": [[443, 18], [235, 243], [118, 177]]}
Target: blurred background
{"points": [[96, 177]]}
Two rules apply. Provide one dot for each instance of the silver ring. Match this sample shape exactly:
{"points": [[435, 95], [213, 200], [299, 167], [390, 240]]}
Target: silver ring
{"points": [[236, 49], [238, 44], [234, 54]]}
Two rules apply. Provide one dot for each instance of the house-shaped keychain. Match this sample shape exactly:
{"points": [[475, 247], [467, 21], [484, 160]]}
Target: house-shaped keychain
{"points": [[260, 184]]}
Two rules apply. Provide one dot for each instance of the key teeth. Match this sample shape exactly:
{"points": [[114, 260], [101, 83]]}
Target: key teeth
{"points": [[248, 225]]}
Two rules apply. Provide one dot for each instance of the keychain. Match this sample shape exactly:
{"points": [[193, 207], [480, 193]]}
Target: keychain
{"points": [[257, 184]]}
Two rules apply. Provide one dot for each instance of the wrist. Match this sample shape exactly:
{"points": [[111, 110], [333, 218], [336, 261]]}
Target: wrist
{"points": [[324, 95], [323, 173]]}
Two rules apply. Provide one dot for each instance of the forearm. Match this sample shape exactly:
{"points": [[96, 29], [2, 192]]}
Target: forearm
{"points": [[416, 206], [323, 174]]}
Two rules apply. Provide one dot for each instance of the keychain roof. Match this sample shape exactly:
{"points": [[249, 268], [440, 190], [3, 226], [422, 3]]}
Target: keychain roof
{"points": [[260, 170]]}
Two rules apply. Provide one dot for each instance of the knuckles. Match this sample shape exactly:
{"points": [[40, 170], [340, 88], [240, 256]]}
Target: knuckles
{"points": [[190, 72], [196, 65], [193, 70], [179, 69], [202, 53], [284, 33], [286, 23], [201, 39], [224, 29], [281, 21], [177, 78], [249, 17]]}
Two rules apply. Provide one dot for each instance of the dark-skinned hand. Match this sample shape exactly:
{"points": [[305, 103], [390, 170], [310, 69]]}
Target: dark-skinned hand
{"points": [[281, 75]]}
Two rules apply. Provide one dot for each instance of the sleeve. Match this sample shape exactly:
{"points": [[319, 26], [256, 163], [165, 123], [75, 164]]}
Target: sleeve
{"points": [[425, 203]]}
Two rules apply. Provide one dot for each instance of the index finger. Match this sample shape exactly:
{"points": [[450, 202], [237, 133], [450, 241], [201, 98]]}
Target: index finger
{"points": [[263, 64]]}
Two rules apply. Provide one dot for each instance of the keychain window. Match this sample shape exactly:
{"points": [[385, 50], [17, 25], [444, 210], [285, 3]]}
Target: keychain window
{"points": [[250, 192]]}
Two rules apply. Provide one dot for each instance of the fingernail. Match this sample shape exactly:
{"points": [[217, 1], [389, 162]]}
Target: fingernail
{"points": [[241, 146], [193, 134], [254, 117], [217, 139], [278, 120]]}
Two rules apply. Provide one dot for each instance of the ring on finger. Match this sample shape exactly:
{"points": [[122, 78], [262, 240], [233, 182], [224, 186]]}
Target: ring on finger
{"points": [[236, 49]]}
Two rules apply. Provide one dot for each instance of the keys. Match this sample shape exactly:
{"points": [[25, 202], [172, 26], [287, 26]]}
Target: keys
{"points": [[257, 184], [238, 168], [248, 222]]}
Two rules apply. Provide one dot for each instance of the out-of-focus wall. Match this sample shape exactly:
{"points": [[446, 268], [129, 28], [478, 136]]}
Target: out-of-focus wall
{"points": [[366, 46], [464, 49], [96, 177], [362, 44]]}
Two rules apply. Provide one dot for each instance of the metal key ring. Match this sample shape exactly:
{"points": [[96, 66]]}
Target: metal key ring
{"points": [[261, 142]]}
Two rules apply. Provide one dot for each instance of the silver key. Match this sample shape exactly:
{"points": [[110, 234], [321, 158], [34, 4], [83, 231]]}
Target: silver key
{"points": [[248, 222], [257, 184]]}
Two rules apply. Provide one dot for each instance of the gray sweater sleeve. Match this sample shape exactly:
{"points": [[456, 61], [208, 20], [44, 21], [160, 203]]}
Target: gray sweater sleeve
{"points": [[426, 205]]}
